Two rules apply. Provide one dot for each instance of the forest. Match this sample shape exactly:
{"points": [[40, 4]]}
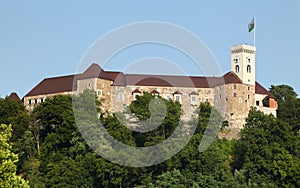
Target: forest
{"points": [[44, 147]]}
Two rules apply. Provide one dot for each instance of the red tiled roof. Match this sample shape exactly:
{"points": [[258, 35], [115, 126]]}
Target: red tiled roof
{"points": [[193, 93], [136, 91], [95, 71], [154, 92], [177, 93], [231, 78], [259, 89], [14, 96], [65, 83], [168, 81], [53, 85]]}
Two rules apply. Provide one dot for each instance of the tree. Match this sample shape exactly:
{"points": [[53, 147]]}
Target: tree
{"points": [[67, 173], [288, 105], [8, 160], [14, 113], [265, 152], [164, 114]]}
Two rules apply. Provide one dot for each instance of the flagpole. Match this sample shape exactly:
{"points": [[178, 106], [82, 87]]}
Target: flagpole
{"points": [[254, 30]]}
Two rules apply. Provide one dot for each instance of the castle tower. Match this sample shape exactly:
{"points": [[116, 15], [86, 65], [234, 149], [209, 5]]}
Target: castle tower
{"points": [[243, 62]]}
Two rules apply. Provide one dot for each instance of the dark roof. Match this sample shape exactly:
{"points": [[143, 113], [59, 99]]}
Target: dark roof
{"points": [[193, 93], [53, 85], [231, 78], [95, 71], [14, 96], [65, 83], [136, 91], [177, 92], [259, 89], [168, 81], [154, 92]]}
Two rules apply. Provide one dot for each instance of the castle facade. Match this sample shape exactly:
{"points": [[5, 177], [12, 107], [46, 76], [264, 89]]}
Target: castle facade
{"points": [[232, 95]]}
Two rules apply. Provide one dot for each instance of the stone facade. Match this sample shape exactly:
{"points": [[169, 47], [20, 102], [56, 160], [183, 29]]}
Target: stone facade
{"points": [[31, 101], [232, 95], [123, 97]]}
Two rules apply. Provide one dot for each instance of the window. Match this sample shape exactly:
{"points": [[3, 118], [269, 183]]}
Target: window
{"points": [[206, 100], [29, 101], [193, 99], [237, 69], [236, 60], [257, 103], [135, 95], [99, 93], [35, 101], [248, 60], [121, 97], [177, 97], [248, 88], [234, 86], [234, 94], [248, 96], [89, 85], [42, 100], [248, 68]]}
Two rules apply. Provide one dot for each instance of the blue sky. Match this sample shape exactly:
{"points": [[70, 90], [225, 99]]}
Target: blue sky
{"points": [[45, 39]]}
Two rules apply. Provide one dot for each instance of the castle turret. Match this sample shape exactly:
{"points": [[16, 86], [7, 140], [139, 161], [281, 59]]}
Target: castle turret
{"points": [[243, 62]]}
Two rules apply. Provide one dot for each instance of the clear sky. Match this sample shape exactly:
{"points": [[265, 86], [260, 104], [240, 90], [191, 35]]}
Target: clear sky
{"points": [[40, 39]]}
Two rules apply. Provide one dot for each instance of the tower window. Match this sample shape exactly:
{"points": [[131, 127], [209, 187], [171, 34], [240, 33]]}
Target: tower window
{"points": [[234, 94], [248, 60], [248, 68], [99, 93], [236, 60], [234, 86], [237, 69]]}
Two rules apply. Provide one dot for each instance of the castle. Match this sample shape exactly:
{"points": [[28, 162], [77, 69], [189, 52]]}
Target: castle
{"points": [[233, 94]]}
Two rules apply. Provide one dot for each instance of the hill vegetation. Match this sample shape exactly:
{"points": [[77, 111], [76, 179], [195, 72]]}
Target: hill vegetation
{"points": [[45, 148]]}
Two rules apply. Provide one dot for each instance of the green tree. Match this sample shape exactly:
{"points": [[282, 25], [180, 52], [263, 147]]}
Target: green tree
{"points": [[265, 151], [288, 105], [67, 173], [8, 160], [14, 113], [165, 114]]}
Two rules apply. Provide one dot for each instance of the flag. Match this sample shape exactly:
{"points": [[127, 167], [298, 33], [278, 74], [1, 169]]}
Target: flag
{"points": [[251, 25]]}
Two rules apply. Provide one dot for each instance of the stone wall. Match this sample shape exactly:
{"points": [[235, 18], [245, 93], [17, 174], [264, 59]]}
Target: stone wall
{"points": [[239, 99], [31, 101], [104, 92], [123, 97]]}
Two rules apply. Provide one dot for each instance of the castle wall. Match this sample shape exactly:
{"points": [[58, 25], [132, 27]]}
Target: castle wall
{"points": [[32, 101], [239, 99], [123, 97]]}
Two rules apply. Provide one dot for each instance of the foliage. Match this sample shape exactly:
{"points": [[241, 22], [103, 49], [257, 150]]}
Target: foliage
{"points": [[8, 160], [265, 151], [53, 153]]}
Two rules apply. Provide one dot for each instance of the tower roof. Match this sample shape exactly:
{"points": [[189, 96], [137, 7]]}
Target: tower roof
{"points": [[14, 96]]}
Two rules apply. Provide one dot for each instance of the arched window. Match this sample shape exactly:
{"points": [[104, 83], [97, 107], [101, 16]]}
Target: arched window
{"points": [[237, 69], [249, 68]]}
